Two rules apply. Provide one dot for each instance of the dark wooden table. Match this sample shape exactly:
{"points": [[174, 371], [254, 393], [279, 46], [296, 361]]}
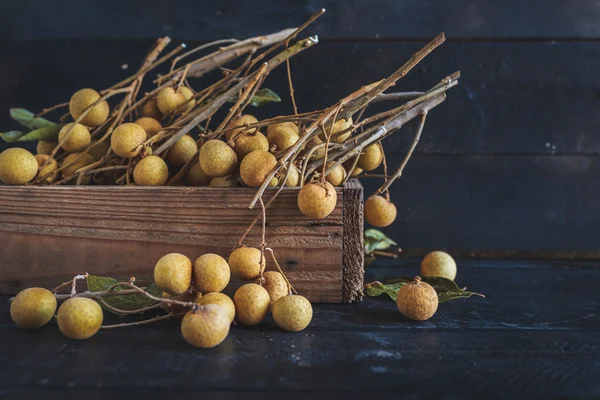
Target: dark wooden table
{"points": [[535, 335]]}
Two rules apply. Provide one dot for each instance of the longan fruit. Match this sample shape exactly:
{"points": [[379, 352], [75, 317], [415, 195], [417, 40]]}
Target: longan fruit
{"points": [[173, 273], [247, 143], [439, 263], [196, 176], [84, 98], [246, 263], [217, 159], [48, 169], [251, 304], [339, 126], [150, 110], [225, 181], [317, 199], [17, 166], [417, 300], [371, 157], [242, 120], [78, 138], [275, 285], [206, 327], [170, 101], [380, 212], [293, 178], [356, 172], [81, 162], [99, 150], [126, 138], [182, 151], [150, 125], [256, 166], [319, 153], [211, 273], [337, 174], [349, 164], [220, 299], [33, 308], [79, 318], [292, 313], [151, 171], [282, 136], [45, 146]]}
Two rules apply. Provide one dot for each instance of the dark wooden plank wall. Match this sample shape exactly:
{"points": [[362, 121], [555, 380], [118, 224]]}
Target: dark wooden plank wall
{"points": [[508, 166]]}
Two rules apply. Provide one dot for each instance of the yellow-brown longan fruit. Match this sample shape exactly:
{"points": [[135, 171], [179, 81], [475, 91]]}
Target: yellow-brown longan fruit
{"points": [[99, 149], [206, 327], [84, 98], [293, 178], [150, 110], [48, 169], [256, 166], [173, 273], [349, 164], [275, 285], [292, 313], [81, 162], [380, 212], [220, 299], [282, 137], [196, 176], [318, 153], [182, 151], [225, 181], [285, 125], [171, 102], [211, 273], [246, 263], [78, 138], [150, 125], [247, 143], [33, 307], [242, 120], [371, 157], [45, 146], [217, 159], [151, 171], [126, 139], [317, 199], [339, 126], [439, 263], [17, 166], [79, 318], [251, 304], [417, 300], [337, 174]]}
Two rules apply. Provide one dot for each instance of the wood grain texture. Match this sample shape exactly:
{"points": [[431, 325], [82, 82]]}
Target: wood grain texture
{"points": [[353, 247], [49, 234]]}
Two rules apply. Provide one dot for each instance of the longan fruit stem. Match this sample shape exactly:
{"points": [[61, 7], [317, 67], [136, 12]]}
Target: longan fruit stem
{"points": [[291, 288], [144, 322]]}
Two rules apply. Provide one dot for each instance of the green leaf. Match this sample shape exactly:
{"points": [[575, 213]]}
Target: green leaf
{"points": [[28, 119], [128, 302], [377, 288], [45, 133], [261, 97], [376, 240], [12, 136], [445, 296]]}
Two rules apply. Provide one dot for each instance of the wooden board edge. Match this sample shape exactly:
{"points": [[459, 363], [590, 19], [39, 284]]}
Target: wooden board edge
{"points": [[353, 270]]}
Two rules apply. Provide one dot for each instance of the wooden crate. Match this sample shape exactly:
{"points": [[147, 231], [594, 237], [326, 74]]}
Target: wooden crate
{"points": [[49, 234]]}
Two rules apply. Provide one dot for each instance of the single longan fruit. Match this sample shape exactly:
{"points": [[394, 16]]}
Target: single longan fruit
{"points": [[219, 299], [276, 286], [78, 138], [317, 199], [182, 151], [282, 137], [417, 300], [371, 157], [170, 101], [196, 176], [380, 212], [80, 162], [206, 327], [337, 174], [45, 146], [217, 159], [150, 125], [173, 273], [150, 110], [211, 273], [249, 142], [256, 166], [242, 120], [285, 125], [225, 181], [292, 313], [251, 304], [84, 98], [320, 152], [246, 263], [356, 172], [293, 178], [99, 149], [439, 263], [126, 139], [339, 126], [79, 318], [33, 308], [48, 169], [151, 171], [17, 166]]}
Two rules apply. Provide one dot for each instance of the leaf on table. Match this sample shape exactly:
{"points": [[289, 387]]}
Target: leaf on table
{"points": [[261, 97], [463, 294], [28, 119], [377, 288], [377, 240], [11, 136], [128, 302], [44, 133]]}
